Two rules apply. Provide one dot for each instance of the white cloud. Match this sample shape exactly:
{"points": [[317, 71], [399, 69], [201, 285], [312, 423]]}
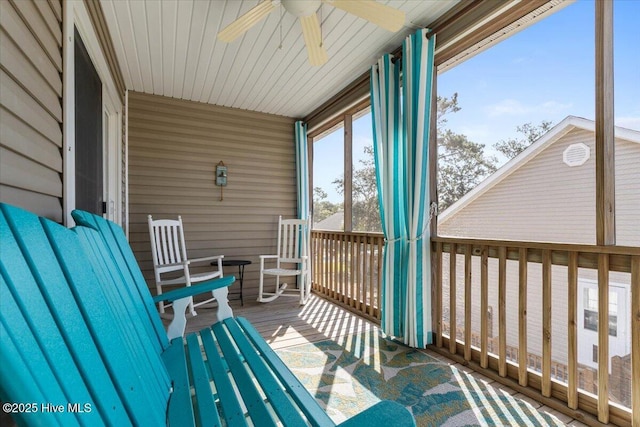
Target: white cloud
{"points": [[513, 107]]}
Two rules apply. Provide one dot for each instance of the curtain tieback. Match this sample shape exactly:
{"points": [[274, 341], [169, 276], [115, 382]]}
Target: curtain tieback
{"points": [[433, 212]]}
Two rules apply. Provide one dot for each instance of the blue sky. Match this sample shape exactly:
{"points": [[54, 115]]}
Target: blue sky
{"points": [[544, 72]]}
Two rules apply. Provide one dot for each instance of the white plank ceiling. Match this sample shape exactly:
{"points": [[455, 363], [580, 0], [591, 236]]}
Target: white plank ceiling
{"points": [[169, 47]]}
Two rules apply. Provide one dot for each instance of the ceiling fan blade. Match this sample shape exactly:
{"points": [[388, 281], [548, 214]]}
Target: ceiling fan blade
{"points": [[313, 39], [246, 21], [382, 15]]}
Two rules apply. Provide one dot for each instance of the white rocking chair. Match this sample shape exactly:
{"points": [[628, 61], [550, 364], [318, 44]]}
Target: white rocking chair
{"points": [[292, 259], [170, 255]]}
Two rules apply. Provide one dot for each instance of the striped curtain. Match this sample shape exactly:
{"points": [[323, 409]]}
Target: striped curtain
{"points": [[389, 154], [302, 169], [401, 146]]}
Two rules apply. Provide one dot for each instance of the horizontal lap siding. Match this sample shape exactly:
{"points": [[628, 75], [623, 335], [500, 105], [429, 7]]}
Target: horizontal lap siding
{"points": [[627, 193], [31, 106], [544, 200], [174, 147]]}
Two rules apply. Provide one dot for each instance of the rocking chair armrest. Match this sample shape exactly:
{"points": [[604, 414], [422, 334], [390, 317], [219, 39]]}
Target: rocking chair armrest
{"points": [[200, 288], [382, 414], [209, 258], [268, 256]]}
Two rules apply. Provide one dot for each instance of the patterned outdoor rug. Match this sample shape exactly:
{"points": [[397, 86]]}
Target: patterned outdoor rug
{"points": [[349, 377]]}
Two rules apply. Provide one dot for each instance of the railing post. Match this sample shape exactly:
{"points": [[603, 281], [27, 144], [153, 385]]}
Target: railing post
{"points": [[603, 338], [523, 377], [546, 323], [452, 298], [572, 297]]}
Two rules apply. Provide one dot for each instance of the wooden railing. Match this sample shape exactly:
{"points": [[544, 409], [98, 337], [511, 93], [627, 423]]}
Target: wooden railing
{"points": [[347, 268], [472, 260]]}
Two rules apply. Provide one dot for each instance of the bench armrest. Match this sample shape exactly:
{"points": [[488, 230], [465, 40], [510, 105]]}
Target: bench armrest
{"points": [[198, 289], [382, 414]]}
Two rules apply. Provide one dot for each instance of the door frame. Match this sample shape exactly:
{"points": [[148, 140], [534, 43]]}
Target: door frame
{"points": [[75, 15]]}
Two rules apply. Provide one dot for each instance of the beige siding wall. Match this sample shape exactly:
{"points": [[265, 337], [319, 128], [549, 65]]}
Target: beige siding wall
{"points": [[30, 105], [174, 147], [627, 193], [546, 200]]}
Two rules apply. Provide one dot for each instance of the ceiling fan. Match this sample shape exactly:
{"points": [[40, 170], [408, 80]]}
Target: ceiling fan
{"points": [[384, 16]]}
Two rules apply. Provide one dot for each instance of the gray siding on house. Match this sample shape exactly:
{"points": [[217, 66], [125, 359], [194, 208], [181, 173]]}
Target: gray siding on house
{"points": [[546, 200], [31, 106], [174, 147]]}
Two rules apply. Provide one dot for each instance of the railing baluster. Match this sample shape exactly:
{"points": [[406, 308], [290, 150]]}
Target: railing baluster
{"points": [[437, 309], [378, 282], [523, 377], [452, 298], [467, 302], [546, 323], [502, 311], [374, 298], [603, 338], [572, 385], [635, 341], [484, 305], [352, 281]]}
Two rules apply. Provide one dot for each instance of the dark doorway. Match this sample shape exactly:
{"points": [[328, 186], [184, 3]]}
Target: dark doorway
{"points": [[88, 127]]}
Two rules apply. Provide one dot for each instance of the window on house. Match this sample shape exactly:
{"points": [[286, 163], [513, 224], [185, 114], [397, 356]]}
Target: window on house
{"points": [[591, 311]]}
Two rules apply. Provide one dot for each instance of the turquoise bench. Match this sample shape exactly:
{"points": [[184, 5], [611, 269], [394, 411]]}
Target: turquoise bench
{"points": [[81, 343]]}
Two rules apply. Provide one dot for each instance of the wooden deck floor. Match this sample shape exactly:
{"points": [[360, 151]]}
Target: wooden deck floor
{"points": [[284, 323]]}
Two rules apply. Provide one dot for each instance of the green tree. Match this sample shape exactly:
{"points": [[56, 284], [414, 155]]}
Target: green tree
{"points": [[513, 146], [322, 208], [462, 164], [366, 212]]}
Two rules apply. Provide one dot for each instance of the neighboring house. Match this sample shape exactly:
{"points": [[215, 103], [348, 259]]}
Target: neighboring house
{"points": [[332, 222], [547, 194]]}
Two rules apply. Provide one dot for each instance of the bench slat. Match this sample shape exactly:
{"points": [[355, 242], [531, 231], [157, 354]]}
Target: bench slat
{"points": [[252, 399], [231, 409], [283, 406], [314, 413], [206, 407], [180, 410]]}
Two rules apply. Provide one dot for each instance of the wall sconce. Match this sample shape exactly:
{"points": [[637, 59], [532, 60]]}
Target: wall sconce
{"points": [[221, 177]]}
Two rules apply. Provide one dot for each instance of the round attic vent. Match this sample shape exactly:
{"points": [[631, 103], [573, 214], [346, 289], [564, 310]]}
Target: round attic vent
{"points": [[576, 154]]}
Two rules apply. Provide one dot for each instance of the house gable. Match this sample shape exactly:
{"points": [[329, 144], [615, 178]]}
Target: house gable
{"points": [[538, 197]]}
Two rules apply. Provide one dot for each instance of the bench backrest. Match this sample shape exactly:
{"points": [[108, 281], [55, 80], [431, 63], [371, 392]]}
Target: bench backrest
{"points": [[67, 333], [117, 255]]}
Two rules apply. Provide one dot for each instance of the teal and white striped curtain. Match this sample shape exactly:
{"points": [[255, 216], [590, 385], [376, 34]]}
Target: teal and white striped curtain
{"points": [[302, 169], [401, 147]]}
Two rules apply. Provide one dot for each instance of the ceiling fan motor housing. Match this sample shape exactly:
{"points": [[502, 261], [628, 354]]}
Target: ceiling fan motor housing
{"points": [[301, 8]]}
